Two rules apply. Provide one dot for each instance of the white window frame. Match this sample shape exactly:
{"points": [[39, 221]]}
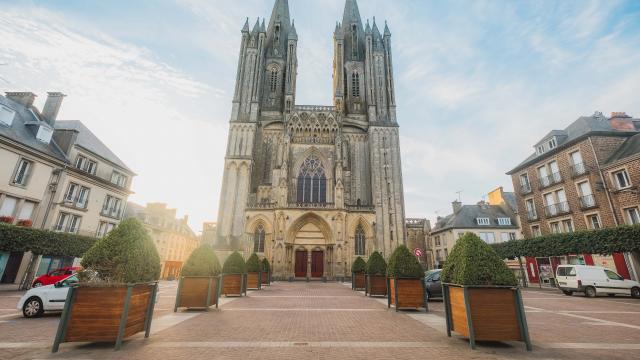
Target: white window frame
{"points": [[625, 173], [20, 176], [589, 221], [536, 230], [629, 219], [504, 221], [483, 221], [488, 237]]}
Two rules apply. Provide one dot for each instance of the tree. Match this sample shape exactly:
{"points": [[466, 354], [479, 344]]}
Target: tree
{"points": [[234, 264], [253, 263], [376, 265], [202, 262], [403, 263], [358, 265]]}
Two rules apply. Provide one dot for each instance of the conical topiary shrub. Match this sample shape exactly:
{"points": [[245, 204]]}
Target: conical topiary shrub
{"points": [[234, 264], [202, 262], [376, 264], [266, 272], [473, 262], [253, 263], [376, 275], [358, 280], [404, 264], [254, 267], [358, 265], [406, 289], [266, 267], [474, 275], [126, 255]]}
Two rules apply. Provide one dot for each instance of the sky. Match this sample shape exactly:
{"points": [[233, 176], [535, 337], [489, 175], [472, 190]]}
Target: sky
{"points": [[477, 82]]}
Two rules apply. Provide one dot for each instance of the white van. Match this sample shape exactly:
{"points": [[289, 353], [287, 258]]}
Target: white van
{"points": [[594, 280]]}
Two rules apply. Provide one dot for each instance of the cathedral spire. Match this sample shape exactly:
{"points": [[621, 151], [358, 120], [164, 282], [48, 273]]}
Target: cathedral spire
{"points": [[280, 15], [351, 14], [245, 28]]}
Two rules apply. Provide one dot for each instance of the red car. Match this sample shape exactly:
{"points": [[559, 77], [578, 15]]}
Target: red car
{"points": [[55, 275]]}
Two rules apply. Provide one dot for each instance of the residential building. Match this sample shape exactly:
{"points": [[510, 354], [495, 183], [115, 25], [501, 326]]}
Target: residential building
{"points": [[579, 178], [492, 223], [174, 239], [417, 234], [312, 187], [57, 175]]}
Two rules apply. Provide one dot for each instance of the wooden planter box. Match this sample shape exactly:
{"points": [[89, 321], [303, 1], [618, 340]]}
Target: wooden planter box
{"points": [[376, 285], [234, 284], [106, 314], [406, 293], [486, 313], [358, 281], [254, 281], [266, 278], [197, 292]]}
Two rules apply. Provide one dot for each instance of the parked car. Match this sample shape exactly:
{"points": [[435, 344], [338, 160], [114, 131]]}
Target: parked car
{"points": [[432, 284], [56, 275], [46, 298], [594, 280]]}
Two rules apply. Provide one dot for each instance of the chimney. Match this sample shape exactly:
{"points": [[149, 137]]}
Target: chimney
{"points": [[52, 106], [457, 205], [24, 98], [621, 121]]}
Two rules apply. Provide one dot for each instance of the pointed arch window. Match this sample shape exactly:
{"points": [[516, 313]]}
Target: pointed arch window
{"points": [[273, 80], [355, 84], [312, 182], [258, 239], [354, 41], [359, 240]]}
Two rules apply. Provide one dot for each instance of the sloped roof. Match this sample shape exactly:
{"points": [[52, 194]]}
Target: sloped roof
{"points": [[629, 148], [465, 218], [90, 141]]}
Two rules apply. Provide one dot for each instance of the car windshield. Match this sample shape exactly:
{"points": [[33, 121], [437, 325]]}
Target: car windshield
{"points": [[70, 280]]}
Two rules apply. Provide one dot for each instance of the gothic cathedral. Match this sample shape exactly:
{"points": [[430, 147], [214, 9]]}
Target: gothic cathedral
{"points": [[312, 187]]}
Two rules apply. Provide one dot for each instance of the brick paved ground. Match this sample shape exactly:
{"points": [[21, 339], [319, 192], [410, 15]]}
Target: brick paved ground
{"points": [[330, 321]]}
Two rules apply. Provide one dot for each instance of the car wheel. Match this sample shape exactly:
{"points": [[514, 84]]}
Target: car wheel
{"points": [[37, 284], [635, 293], [32, 307], [590, 292], [567, 292]]}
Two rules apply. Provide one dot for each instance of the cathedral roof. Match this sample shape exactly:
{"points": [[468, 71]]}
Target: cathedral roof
{"points": [[245, 28], [293, 34]]}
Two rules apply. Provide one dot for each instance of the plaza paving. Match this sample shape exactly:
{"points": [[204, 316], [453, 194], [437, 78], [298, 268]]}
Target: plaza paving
{"points": [[330, 321]]}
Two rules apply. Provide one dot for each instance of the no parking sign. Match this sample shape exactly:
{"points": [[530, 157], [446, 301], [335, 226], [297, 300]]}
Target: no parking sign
{"points": [[417, 252]]}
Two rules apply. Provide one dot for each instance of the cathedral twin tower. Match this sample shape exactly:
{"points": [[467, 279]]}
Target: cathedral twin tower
{"points": [[312, 187]]}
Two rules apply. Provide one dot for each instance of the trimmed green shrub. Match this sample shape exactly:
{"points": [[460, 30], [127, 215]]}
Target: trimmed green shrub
{"points": [[126, 255], [43, 242], [234, 264], [202, 262], [253, 264], [358, 265], [266, 267], [376, 264], [473, 262], [603, 242], [404, 264]]}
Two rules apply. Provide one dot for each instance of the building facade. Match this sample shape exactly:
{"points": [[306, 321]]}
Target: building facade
{"points": [[417, 235], [174, 239], [579, 179], [312, 187], [54, 175]]}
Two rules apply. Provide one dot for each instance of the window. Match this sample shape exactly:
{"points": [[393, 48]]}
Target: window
{"points": [[77, 195], [437, 240], [633, 216], [567, 225], [258, 239], [104, 228], [613, 276], [576, 158], [360, 240], [622, 179], [594, 221], [26, 211], [22, 172], [555, 227], [504, 221], [354, 41], [535, 231], [483, 221], [8, 206], [552, 143], [71, 192], [92, 166], [543, 175], [81, 162], [86, 165], [312, 182], [6, 115], [68, 223], [118, 179], [506, 236], [488, 237], [355, 84], [112, 207], [531, 209], [540, 149], [438, 256], [525, 185], [274, 79]]}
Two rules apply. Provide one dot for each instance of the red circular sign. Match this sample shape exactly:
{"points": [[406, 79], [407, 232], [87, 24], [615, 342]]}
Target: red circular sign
{"points": [[417, 252]]}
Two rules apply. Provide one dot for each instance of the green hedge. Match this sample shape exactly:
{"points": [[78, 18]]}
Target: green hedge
{"points": [[473, 262], [126, 255], [234, 264], [43, 242], [404, 264], [266, 267], [253, 264], [376, 264], [202, 262], [603, 242], [358, 265]]}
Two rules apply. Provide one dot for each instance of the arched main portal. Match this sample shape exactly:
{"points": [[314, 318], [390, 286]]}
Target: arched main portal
{"points": [[310, 238]]}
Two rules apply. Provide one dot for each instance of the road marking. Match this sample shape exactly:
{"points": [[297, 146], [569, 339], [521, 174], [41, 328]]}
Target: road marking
{"points": [[604, 322], [311, 344], [10, 315], [593, 346], [21, 345], [303, 296], [302, 309], [599, 312]]}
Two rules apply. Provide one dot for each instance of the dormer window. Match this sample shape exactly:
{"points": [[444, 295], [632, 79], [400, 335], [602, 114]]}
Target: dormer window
{"points": [[118, 179], [84, 164], [540, 149], [6, 115], [504, 221], [44, 134], [552, 143], [483, 221]]}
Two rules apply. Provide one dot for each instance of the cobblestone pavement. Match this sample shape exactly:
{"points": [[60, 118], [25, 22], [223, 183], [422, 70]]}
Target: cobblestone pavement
{"points": [[330, 321]]}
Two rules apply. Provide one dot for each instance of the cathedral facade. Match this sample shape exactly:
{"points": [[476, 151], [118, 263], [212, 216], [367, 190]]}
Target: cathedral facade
{"points": [[312, 187]]}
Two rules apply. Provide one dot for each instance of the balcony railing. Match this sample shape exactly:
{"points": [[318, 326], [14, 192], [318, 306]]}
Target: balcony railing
{"points": [[587, 202], [525, 188], [557, 209], [532, 215], [360, 207], [311, 205], [261, 205], [579, 169], [112, 213], [552, 179]]}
